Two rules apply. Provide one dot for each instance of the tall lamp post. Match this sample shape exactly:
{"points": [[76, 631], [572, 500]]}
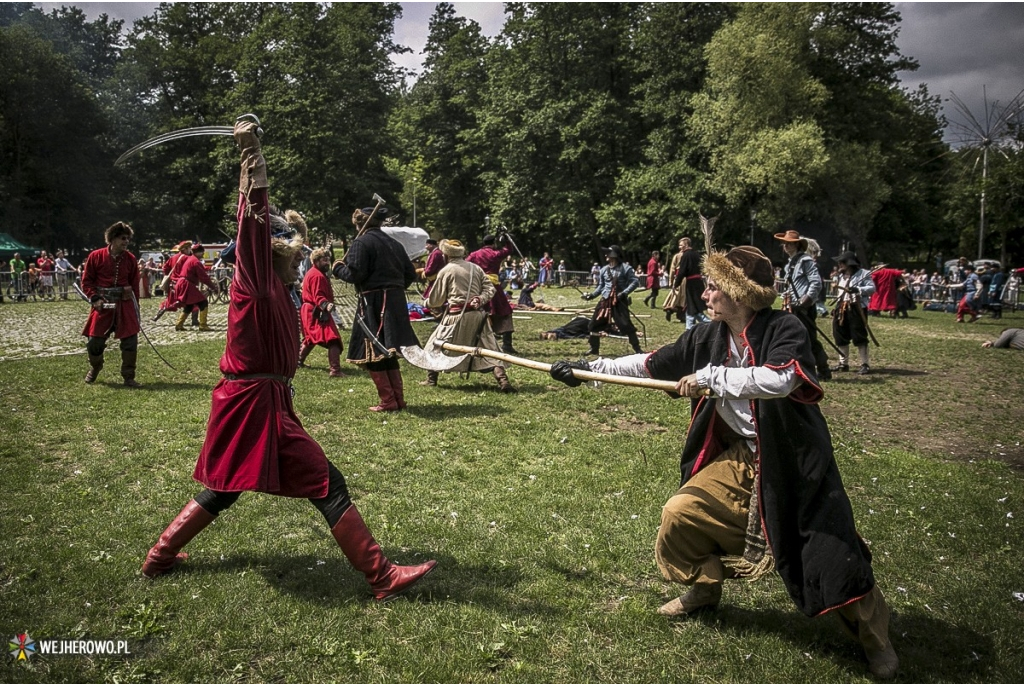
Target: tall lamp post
{"points": [[414, 202], [753, 218]]}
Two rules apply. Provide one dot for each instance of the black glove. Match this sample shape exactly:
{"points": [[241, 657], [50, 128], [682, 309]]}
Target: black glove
{"points": [[562, 371], [588, 296]]}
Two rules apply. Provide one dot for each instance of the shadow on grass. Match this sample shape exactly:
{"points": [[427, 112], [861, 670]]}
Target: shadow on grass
{"points": [[330, 579], [438, 412], [930, 650], [154, 385]]}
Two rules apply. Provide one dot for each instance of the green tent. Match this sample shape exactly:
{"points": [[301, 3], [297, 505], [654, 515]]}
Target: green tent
{"points": [[8, 246]]}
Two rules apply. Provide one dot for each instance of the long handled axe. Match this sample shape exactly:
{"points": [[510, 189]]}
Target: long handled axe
{"points": [[366, 224], [666, 386]]}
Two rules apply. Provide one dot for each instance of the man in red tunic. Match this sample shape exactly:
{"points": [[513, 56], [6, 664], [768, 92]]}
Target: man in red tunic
{"points": [[188, 273], [318, 327], [254, 440], [435, 262], [110, 279], [489, 259], [170, 303]]}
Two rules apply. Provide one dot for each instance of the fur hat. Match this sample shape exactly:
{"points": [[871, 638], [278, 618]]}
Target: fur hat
{"points": [[453, 249], [298, 223], [743, 273]]}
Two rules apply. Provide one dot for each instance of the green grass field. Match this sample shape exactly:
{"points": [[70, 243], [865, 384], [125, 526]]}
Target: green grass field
{"points": [[541, 508]]}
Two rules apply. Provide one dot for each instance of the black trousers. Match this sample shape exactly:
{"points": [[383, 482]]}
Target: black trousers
{"points": [[332, 506], [807, 315]]}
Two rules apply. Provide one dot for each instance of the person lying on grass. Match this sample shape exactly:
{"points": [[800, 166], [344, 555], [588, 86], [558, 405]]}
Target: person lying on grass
{"points": [[760, 489]]}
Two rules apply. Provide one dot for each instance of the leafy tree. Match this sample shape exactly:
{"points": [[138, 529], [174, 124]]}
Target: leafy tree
{"points": [[52, 168], [560, 118], [437, 126]]}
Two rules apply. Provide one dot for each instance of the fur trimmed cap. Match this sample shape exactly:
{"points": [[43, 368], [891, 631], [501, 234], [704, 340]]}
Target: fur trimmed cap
{"points": [[452, 249], [743, 273]]}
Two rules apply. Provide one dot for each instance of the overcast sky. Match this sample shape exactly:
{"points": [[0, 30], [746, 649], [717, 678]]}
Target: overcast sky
{"points": [[961, 47]]}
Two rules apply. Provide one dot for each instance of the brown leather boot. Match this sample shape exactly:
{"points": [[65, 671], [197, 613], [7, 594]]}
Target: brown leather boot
{"points": [[95, 366], [386, 579], [128, 362], [431, 381], [164, 557], [503, 384], [334, 361], [387, 395], [395, 376], [699, 597]]}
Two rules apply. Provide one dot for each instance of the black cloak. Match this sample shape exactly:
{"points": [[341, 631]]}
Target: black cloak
{"points": [[805, 512]]}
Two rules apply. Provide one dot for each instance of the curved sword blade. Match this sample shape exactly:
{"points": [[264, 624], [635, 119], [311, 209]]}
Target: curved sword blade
{"points": [[176, 135]]}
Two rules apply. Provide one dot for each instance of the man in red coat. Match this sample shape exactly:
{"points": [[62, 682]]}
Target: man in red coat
{"points": [[318, 327], [887, 283], [170, 303], [188, 273], [489, 258], [110, 279], [254, 440], [435, 262]]}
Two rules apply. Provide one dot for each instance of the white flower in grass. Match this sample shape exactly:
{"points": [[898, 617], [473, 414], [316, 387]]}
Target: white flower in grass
{"points": [[1009, 514], [1019, 596], [455, 514], [533, 477], [1003, 499], [635, 516], [563, 440], [901, 589]]}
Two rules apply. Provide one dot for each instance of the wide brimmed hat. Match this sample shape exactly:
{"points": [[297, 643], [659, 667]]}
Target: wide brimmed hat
{"points": [[743, 273], [184, 245], [791, 237], [847, 258], [613, 251], [452, 249]]}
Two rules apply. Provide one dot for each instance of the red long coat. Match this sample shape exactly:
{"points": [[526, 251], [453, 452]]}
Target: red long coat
{"points": [[316, 289], [490, 259], [188, 273], [254, 440], [884, 298], [170, 302], [101, 270]]}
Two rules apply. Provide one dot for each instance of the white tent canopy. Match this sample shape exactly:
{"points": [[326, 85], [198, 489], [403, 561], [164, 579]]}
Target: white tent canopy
{"points": [[414, 240]]}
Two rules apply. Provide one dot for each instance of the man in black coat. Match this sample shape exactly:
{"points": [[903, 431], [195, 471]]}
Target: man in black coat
{"points": [[760, 490]]}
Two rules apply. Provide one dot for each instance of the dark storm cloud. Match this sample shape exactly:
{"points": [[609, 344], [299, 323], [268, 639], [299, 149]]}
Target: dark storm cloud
{"points": [[970, 49]]}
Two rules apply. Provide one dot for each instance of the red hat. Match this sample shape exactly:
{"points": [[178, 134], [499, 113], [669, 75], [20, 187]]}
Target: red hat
{"points": [[184, 245], [197, 247]]}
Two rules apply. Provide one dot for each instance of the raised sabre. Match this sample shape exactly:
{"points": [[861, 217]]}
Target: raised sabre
{"points": [[188, 133]]}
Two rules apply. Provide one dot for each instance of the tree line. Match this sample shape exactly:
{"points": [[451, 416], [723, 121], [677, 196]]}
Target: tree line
{"points": [[578, 126]]}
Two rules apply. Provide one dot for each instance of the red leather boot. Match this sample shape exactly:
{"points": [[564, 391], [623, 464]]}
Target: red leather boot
{"points": [[384, 390], [395, 376], [385, 578], [164, 555]]}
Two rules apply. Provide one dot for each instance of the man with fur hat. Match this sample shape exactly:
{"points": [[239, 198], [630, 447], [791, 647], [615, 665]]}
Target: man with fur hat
{"points": [[379, 267], [614, 284], [110, 279], [760, 489], [463, 290], [254, 440], [850, 316], [489, 258], [187, 274], [803, 285], [318, 326]]}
